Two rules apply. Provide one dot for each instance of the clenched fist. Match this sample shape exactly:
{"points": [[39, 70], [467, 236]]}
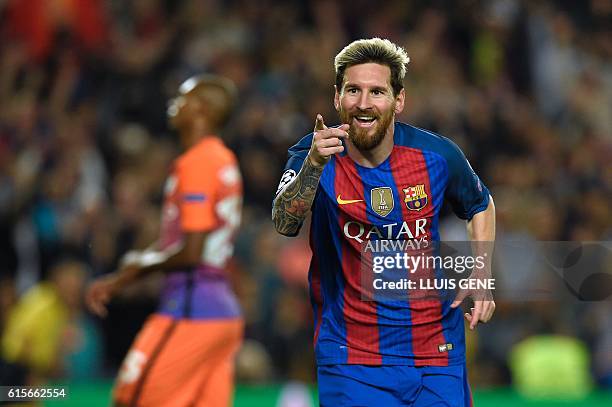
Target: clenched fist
{"points": [[325, 142]]}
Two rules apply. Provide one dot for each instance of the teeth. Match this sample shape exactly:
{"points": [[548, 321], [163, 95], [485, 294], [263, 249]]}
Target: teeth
{"points": [[365, 118]]}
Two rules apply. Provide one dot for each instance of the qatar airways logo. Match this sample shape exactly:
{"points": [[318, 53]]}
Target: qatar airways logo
{"points": [[391, 231]]}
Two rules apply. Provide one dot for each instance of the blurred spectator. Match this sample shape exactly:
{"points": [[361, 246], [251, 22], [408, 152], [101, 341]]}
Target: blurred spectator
{"points": [[551, 366], [43, 26], [45, 331]]}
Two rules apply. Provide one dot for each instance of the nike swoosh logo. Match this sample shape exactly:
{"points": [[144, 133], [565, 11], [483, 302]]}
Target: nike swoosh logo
{"points": [[347, 201]]}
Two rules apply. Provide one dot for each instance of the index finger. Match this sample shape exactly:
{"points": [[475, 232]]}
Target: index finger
{"points": [[319, 125], [476, 314]]}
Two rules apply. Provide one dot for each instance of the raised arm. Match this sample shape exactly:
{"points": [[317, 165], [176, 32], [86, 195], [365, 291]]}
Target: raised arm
{"points": [[293, 202]]}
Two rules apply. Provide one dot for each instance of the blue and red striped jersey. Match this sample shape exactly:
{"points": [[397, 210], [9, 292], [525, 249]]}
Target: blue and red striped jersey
{"points": [[399, 199]]}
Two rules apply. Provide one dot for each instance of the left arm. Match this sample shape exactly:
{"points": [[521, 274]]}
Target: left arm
{"points": [[137, 264], [182, 256], [481, 231], [481, 228]]}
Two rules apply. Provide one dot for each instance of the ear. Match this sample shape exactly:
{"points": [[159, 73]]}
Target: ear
{"points": [[399, 101], [336, 99]]}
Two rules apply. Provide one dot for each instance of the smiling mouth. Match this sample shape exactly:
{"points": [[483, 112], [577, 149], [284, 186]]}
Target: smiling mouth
{"points": [[364, 121]]}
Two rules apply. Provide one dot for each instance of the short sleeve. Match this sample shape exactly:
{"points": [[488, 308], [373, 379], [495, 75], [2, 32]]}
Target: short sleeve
{"points": [[296, 156], [466, 193], [198, 186]]}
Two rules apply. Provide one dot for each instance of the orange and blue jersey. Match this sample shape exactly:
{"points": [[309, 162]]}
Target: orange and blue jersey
{"points": [[202, 194], [400, 199]]}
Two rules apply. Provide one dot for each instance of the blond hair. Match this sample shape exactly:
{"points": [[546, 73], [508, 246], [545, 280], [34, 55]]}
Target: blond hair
{"points": [[378, 50]]}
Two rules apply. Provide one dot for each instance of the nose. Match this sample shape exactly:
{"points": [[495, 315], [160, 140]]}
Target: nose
{"points": [[172, 108], [364, 101], [174, 105]]}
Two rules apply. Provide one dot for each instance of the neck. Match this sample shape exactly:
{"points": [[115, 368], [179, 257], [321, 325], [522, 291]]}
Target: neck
{"points": [[374, 157], [190, 137]]}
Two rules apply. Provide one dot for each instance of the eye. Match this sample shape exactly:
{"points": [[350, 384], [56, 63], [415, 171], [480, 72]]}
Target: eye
{"points": [[377, 92], [351, 91]]}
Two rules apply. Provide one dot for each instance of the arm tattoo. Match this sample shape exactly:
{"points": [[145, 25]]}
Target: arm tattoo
{"points": [[292, 204]]}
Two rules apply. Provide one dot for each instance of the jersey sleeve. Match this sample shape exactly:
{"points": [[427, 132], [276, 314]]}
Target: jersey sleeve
{"points": [[198, 185], [297, 155], [466, 193]]}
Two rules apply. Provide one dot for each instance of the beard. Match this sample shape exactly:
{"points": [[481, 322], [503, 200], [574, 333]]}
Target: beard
{"points": [[359, 136]]}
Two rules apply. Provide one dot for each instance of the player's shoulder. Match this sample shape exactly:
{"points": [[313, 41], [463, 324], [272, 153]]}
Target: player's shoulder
{"points": [[209, 152], [302, 146], [415, 137], [209, 160]]}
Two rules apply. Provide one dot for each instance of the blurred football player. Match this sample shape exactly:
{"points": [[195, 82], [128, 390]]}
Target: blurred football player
{"points": [[184, 354]]}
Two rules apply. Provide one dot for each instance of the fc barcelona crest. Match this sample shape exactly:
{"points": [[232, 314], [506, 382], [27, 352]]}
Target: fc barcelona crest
{"points": [[382, 200], [416, 197]]}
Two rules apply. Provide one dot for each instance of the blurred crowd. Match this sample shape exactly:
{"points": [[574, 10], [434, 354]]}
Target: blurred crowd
{"points": [[524, 87]]}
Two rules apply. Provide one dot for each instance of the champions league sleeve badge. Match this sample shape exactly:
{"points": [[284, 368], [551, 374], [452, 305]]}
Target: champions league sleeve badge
{"points": [[287, 177]]}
